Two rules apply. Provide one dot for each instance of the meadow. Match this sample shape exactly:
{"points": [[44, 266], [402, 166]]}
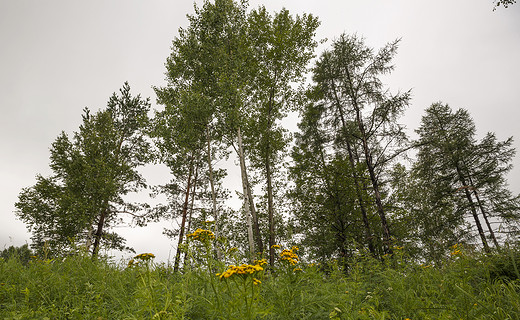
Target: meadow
{"points": [[467, 285]]}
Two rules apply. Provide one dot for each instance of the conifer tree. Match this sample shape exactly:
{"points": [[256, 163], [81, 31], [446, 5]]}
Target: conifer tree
{"points": [[471, 173], [348, 78]]}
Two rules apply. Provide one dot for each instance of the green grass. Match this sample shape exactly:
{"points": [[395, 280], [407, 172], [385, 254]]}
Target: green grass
{"points": [[466, 286]]}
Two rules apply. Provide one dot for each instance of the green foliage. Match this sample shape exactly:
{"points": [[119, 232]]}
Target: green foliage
{"points": [[92, 171], [456, 177], [22, 254], [78, 287]]}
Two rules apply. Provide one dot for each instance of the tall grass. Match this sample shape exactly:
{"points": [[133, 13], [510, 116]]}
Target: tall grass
{"points": [[466, 286]]}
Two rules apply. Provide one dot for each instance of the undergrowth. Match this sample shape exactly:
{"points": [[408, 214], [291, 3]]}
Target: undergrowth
{"points": [[465, 286]]}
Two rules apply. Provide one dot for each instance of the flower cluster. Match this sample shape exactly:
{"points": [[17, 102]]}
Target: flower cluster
{"points": [[456, 250], [144, 256], [260, 262], [290, 255], [243, 270], [201, 235], [140, 257]]}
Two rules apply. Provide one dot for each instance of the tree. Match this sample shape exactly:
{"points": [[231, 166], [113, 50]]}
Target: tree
{"points": [[91, 174], [283, 46], [23, 254], [505, 3], [471, 173], [430, 222], [364, 112], [325, 197], [210, 58], [242, 64]]}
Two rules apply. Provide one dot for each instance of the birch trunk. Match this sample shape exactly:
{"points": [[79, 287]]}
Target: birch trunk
{"points": [[247, 197], [213, 195]]}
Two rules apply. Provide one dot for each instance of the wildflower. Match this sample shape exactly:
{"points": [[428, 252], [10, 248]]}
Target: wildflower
{"points": [[261, 262], [243, 270], [144, 256], [256, 281], [290, 256], [275, 246], [201, 235], [297, 269], [456, 250], [132, 263]]}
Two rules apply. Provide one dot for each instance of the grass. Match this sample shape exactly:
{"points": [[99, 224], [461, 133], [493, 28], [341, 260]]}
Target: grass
{"points": [[466, 286]]}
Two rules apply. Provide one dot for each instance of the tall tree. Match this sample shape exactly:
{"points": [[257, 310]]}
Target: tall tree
{"points": [[283, 46], [91, 174], [179, 132], [325, 197], [449, 152], [348, 76], [210, 57]]}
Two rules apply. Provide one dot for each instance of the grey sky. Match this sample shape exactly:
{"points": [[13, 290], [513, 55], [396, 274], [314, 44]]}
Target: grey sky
{"points": [[57, 57]]}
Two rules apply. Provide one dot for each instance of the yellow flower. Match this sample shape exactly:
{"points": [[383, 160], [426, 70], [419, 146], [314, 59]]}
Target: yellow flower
{"points": [[297, 269], [275, 246], [244, 269], [256, 281], [144, 256], [261, 262], [289, 255], [201, 235]]}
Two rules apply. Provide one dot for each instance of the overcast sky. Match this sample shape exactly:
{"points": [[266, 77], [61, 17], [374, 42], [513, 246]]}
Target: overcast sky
{"points": [[57, 57]]}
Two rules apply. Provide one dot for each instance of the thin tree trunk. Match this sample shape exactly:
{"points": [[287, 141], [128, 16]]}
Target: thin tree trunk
{"points": [[192, 201], [101, 222], [370, 166], [375, 184], [270, 204], [366, 223], [473, 210], [247, 197], [184, 214], [89, 239], [483, 211], [99, 231], [213, 194], [270, 209], [251, 202]]}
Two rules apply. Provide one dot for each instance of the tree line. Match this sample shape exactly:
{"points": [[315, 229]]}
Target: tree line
{"points": [[344, 183]]}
